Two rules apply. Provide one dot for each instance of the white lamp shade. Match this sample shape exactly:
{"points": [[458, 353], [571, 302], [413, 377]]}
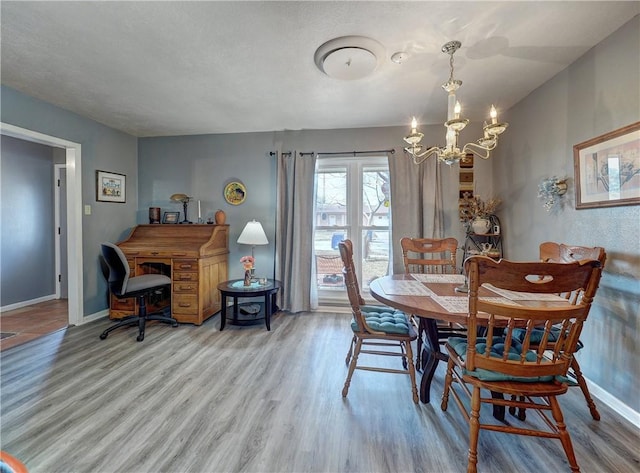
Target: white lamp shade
{"points": [[253, 234]]}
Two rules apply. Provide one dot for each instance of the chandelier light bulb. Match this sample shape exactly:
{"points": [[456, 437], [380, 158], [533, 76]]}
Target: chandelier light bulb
{"points": [[456, 110], [414, 125], [494, 115]]}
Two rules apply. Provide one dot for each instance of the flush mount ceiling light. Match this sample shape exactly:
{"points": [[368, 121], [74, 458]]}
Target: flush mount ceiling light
{"points": [[349, 57]]}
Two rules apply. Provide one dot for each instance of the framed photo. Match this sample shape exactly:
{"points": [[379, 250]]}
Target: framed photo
{"points": [[110, 187], [607, 169], [171, 217], [235, 193]]}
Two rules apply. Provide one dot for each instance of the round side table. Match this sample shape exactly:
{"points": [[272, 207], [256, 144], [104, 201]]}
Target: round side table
{"points": [[236, 289]]}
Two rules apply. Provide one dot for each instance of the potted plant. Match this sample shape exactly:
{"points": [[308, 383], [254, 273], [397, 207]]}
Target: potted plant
{"points": [[476, 212]]}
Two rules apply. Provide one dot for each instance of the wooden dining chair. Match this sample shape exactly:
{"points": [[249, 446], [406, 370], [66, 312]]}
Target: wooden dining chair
{"points": [[387, 329], [431, 256], [498, 363], [560, 253]]}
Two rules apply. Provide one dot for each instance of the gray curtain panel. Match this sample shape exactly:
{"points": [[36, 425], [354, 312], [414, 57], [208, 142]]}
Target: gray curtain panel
{"points": [[294, 224], [416, 202]]}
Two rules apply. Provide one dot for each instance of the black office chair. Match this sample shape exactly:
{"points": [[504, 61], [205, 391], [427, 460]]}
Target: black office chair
{"points": [[122, 286]]}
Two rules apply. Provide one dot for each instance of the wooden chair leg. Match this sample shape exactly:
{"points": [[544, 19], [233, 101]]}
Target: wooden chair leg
{"points": [[585, 390], [564, 434], [350, 352], [420, 331], [447, 385], [412, 372], [474, 431], [352, 367]]}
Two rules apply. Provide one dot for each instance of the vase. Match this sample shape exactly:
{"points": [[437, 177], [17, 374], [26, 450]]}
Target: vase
{"points": [[247, 277], [154, 214], [481, 226], [220, 217]]}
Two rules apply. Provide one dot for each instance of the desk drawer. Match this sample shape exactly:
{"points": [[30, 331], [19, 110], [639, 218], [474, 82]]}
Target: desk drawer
{"points": [[181, 286], [185, 265], [184, 304], [184, 276], [128, 304]]}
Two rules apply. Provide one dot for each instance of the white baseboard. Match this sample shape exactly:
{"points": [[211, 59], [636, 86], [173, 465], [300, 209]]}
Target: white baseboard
{"points": [[19, 305], [614, 403]]}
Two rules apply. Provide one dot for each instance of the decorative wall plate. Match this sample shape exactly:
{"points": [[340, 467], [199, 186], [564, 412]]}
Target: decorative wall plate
{"points": [[235, 193]]}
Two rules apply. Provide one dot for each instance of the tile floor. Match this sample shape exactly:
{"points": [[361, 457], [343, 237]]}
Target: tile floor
{"points": [[28, 323]]}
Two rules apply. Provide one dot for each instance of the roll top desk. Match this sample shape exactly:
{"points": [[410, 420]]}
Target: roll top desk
{"points": [[194, 256]]}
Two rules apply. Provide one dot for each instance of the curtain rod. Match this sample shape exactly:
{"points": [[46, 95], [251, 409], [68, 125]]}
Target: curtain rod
{"points": [[356, 153], [338, 153]]}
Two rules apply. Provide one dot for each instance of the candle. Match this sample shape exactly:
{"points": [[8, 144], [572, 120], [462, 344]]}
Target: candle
{"points": [[199, 213], [494, 115], [456, 110]]}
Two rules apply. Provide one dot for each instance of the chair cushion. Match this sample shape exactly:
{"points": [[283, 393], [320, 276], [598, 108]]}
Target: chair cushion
{"points": [[459, 344], [536, 336], [383, 319], [146, 281]]}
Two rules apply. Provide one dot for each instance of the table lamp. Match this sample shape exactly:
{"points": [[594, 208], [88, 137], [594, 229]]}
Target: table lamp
{"points": [[184, 198], [253, 234]]}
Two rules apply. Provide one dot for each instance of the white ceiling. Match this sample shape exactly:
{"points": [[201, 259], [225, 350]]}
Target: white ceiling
{"points": [[177, 67]]}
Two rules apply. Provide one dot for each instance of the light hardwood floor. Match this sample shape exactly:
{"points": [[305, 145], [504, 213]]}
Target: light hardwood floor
{"points": [[194, 399], [28, 323]]}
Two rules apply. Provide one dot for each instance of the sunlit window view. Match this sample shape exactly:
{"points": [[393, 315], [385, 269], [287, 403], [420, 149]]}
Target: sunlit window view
{"points": [[352, 201]]}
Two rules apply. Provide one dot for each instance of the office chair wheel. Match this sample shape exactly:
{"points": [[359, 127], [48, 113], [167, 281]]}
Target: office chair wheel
{"points": [[103, 336], [174, 324], [140, 337]]}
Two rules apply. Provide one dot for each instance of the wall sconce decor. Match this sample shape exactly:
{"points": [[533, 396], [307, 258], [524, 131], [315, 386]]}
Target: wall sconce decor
{"points": [[550, 190]]}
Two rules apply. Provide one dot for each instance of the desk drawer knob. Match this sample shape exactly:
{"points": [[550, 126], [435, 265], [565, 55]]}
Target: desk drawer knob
{"points": [[184, 304]]}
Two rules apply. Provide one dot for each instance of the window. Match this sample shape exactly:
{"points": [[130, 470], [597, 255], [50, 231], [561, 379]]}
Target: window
{"points": [[352, 201]]}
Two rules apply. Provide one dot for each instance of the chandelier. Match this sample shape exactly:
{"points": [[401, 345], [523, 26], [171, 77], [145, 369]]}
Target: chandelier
{"points": [[452, 153]]}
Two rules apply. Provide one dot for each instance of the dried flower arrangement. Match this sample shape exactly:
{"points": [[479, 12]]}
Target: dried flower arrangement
{"points": [[472, 208]]}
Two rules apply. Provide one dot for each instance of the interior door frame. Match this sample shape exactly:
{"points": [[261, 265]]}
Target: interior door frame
{"points": [[60, 229], [73, 166]]}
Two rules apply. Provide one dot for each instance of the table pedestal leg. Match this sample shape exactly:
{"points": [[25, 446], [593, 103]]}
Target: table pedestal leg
{"points": [[267, 310], [431, 354], [223, 312]]}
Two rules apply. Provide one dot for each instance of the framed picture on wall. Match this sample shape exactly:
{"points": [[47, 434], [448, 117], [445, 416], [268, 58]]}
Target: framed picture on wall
{"points": [[110, 187], [607, 169]]}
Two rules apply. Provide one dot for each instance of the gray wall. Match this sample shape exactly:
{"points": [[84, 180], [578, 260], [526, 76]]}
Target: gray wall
{"points": [[103, 148], [597, 94], [27, 258], [202, 165]]}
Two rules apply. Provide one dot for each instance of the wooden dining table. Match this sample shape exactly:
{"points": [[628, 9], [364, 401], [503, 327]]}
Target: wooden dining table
{"points": [[433, 297], [412, 296]]}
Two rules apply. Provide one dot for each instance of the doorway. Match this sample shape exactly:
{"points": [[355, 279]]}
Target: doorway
{"points": [[60, 212], [73, 195]]}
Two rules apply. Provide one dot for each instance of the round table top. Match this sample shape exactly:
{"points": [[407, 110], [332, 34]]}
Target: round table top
{"points": [[236, 286], [420, 305], [427, 307]]}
